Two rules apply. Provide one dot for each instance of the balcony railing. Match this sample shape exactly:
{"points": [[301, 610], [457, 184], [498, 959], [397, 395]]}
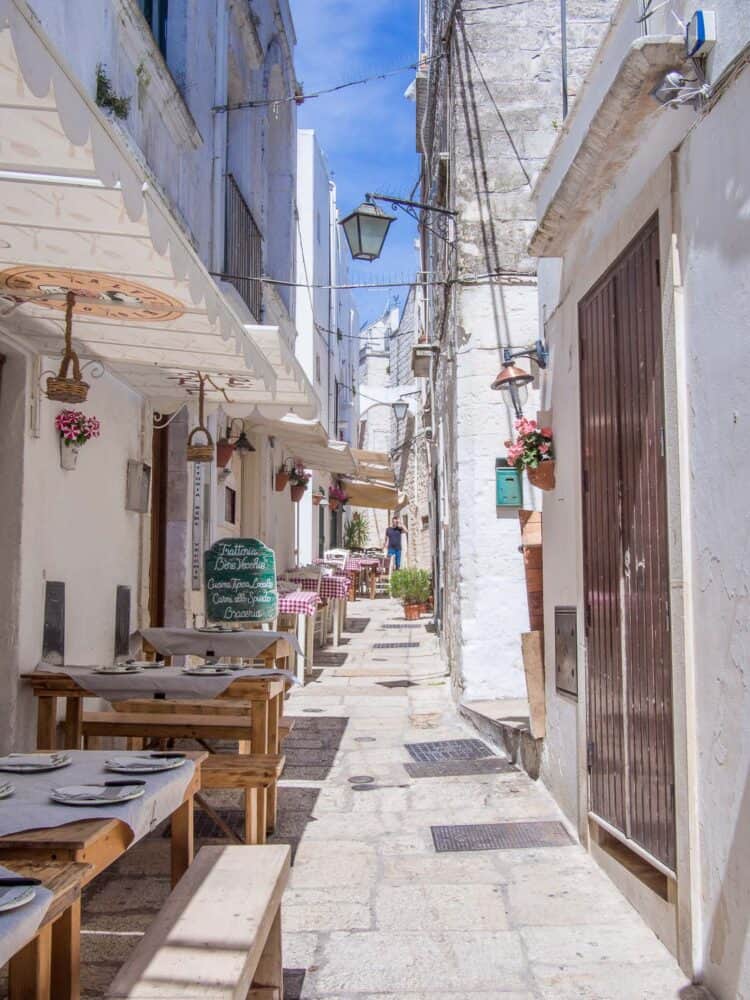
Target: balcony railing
{"points": [[243, 249]]}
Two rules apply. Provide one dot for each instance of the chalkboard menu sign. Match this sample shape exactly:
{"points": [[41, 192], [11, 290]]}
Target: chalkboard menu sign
{"points": [[240, 576]]}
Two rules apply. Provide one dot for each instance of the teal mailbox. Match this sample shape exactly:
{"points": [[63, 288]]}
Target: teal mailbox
{"points": [[508, 486]]}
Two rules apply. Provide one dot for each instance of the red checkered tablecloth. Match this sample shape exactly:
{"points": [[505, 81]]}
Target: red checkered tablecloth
{"points": [[331, 587], [298, 602]]}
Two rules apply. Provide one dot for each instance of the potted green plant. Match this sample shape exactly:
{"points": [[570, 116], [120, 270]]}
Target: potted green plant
{"points": [[412, 587], [357, 533], [298, 480], [532, 452]]}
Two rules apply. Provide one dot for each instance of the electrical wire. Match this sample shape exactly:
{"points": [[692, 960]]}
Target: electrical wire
{"points": [[300, 98], [511, 277]]}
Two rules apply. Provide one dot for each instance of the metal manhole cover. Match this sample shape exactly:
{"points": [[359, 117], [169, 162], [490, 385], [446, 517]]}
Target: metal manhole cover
{"points": [[448, 750], [499, 836], [459, 768], [395, 645], [360, 779], [396, 684]]}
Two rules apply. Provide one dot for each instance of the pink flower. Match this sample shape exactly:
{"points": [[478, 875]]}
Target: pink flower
{"points": [[544, 447], [547, 432]]}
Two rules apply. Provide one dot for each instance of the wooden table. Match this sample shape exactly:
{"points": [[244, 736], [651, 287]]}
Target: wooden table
{"points": [[94, 844], [32, 972], [265, 696]]}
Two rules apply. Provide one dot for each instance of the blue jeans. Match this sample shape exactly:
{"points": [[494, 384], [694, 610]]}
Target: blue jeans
{"points": [[396, 553]]}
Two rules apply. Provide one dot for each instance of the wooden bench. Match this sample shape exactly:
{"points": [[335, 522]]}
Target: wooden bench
{"points": [[254, 774], [160, 724], [219, 933]]}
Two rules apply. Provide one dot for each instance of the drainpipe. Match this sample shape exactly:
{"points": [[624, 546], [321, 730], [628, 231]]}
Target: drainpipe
{"points": [[564, 54], [220, 138]]}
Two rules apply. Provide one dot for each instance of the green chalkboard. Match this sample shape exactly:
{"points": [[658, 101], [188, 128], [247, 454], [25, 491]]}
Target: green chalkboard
{"points": [[240, 580]]}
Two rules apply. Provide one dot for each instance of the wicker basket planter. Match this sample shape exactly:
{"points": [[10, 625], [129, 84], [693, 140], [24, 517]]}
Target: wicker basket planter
{"points": [[67, 390], [543, 476], [200, 452]]}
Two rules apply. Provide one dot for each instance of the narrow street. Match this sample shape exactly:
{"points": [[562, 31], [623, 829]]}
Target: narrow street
{"points": [[374, 911]]}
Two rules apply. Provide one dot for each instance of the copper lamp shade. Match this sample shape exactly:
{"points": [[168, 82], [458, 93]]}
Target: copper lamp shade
{"points": [[512, 377]]}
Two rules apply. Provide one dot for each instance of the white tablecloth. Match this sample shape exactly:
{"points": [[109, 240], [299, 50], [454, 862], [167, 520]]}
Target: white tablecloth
{"points": [[18, 927], [193, 642], [31, 808], [170, 682]]}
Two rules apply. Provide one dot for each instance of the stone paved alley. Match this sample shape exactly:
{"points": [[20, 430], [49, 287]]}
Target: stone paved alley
{"points": [[372, 909]]}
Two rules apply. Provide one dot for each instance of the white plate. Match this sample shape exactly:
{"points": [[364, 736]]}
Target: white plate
{"points": [[206, 671], [93, 795], [15, 896], [6, 791], [33, 763], [144, 765], [131, 668]]}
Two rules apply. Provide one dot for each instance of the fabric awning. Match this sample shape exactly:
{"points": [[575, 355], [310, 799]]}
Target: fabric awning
{"points": [[307, 441], [81, 211], [374, 465], [373, 496]]}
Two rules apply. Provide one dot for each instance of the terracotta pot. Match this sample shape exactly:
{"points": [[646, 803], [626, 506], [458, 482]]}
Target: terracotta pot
{"points": [[412, 612], [297, 492], [543, 476], [316, 499], [224, 454], [282, 478], [333, 504]]}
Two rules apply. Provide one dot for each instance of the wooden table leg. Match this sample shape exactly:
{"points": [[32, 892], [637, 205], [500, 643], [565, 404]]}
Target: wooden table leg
{"points": [[73, 723], [46, 722], [66, 954], [275, 710], [29, 973], [336, 622], [183, 839]]}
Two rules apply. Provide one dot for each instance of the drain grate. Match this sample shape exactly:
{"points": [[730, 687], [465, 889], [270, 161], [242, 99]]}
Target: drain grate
{"points": [[459, 768], [396, 684], [449, 750], [499, 836], [395, 645]]}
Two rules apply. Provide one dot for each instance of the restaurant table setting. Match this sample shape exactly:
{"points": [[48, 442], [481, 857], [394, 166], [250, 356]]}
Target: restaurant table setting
{"points": [[146, 680], [332, 587], [298, 602], [214, 642], [23, 906], [51, 789]]}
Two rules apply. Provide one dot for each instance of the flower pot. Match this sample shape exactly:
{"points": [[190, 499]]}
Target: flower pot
{"points": [[412, 612], [316, 499], [224, 452], [67, 390], [68, 455], [282, 478], [200, 452], [297, 492], [543, 476], [333, 504]]}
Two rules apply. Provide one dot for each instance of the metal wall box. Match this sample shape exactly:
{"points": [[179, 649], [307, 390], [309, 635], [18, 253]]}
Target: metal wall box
{"points": [[566, 651], [508, 485], [137, 493]]}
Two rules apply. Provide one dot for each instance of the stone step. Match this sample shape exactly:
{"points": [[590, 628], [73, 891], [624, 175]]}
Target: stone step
{"points": [[505, 721]]}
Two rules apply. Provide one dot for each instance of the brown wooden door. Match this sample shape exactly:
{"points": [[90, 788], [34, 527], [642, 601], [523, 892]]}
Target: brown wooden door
{"points": [[626, 572]]}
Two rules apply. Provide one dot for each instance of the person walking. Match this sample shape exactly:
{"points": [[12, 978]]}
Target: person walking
{"points": [[392, 544]]}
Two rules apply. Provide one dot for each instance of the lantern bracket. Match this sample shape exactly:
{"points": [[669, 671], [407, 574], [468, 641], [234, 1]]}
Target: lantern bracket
{"points": [[441, 229]]}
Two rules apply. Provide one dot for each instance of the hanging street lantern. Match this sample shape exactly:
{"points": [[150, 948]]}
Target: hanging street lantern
{"points": [[400, 409], [511, 379], [244, 445], [365, 230]]}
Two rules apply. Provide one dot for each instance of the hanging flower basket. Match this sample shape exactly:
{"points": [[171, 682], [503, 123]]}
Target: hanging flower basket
{"points": [[298, 480], [333, 504], [224, 452], [75, 429], [543, 476], [282, 479], [297, 492], [531, 452], [200, 452], [61, 388]]}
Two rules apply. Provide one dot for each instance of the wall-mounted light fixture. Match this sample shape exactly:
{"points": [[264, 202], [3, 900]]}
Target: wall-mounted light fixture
{"points": [[226, 446], [367, 227], [511, 378]]}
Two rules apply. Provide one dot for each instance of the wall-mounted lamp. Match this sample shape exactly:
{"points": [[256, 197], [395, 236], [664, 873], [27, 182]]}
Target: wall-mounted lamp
{"points": [[512, 378], [367, 226], [400, 409], [225, 446]]}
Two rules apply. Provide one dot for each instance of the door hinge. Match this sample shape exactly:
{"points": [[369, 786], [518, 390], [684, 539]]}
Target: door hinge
{"points": [[590, 756]]}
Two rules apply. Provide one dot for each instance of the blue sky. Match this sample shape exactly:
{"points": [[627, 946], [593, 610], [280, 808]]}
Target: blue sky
{"points": [[367, 132]]}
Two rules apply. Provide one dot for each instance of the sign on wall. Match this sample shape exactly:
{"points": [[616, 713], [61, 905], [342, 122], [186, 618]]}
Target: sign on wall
{"points": [[240, 575]]}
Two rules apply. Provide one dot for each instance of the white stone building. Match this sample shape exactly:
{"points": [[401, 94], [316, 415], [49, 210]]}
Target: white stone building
{"points": [[328, 328], [643, 239], [489, 105], [131, 184]]}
